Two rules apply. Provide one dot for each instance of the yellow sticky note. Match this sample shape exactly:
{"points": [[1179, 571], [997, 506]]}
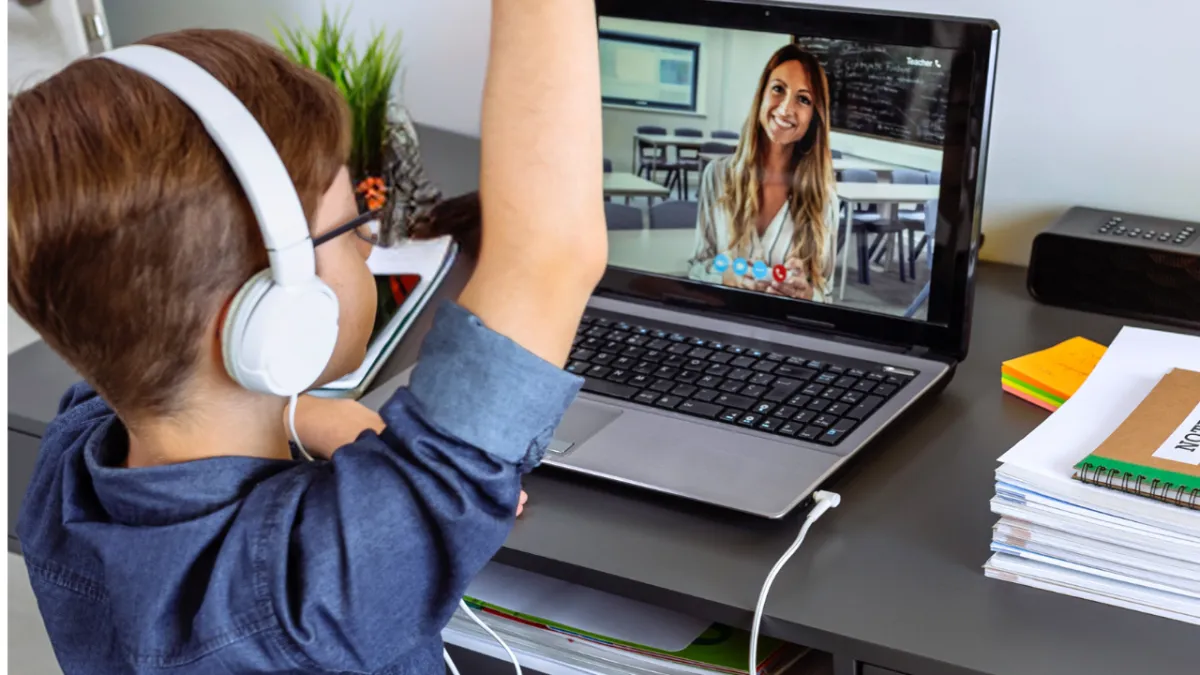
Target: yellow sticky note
{"points": [[1059, 370]]}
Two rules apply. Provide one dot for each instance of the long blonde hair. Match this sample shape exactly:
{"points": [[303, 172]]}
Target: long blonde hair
{"points": [[812, 172]]}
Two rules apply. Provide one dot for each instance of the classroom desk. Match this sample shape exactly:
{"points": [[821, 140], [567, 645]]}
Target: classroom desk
{"points": [[883, 168], [839, 163], [623, 184], [889, 197], [657, 251], [886, 193], [891, 579], [685, 142]]}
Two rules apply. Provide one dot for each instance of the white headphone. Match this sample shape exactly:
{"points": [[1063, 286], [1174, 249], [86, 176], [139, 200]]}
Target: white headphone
{"points": [[282, 326]]}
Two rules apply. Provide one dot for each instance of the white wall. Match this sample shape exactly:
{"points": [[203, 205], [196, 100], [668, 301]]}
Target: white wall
{"points": [[1095, 99], [42, 38], [445, 42]]}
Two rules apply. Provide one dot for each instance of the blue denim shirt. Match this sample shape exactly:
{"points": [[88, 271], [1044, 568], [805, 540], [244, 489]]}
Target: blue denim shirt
{"points": [[243, 565]]}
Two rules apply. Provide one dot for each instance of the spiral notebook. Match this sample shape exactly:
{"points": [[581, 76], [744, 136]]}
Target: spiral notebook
{"points": [[1155, 452]]}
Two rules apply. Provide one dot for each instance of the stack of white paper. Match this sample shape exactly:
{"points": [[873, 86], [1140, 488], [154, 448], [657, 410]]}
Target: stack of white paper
{"points": [[1058, 534]]}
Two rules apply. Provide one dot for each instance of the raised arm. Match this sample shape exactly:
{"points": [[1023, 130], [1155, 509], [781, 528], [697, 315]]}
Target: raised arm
{"points": [[544, 243], [367, 555]]}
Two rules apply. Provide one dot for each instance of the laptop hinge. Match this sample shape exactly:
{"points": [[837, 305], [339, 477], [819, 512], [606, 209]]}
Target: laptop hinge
{"points": [[919, 351]]}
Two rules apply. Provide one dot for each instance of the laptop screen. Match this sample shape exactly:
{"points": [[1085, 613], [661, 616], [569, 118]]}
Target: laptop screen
{"points": [[790, 165]]}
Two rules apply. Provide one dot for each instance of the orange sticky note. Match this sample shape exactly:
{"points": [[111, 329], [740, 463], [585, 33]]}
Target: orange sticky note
{"points": [[1059, 370]]}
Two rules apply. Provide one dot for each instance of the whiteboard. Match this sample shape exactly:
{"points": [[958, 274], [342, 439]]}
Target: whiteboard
{"points": [[649, 71]]}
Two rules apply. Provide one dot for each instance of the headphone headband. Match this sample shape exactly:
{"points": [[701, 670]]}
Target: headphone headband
{"points": [[263, 177]]}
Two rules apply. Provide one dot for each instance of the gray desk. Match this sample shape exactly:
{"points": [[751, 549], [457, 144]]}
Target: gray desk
{"points": [[893, 578]]}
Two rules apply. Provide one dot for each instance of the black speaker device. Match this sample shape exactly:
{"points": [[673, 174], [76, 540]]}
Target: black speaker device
{"points": [[1137, 267]]}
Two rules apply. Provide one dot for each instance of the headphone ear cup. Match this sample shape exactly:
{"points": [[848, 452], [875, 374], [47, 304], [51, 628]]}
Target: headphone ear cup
{"points": [[234, 327], [278, 340]]}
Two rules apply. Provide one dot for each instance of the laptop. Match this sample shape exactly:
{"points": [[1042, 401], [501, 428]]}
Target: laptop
{"points": [[740, 363]]}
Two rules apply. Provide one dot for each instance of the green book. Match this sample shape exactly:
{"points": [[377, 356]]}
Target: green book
{"points": [[720, 648]]}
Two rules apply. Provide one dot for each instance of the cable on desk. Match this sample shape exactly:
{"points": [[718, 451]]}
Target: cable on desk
{"points": [[825, 501]]}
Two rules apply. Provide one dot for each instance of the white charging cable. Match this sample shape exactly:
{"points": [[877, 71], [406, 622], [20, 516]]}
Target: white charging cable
{"points": [[511, 656], [825, 501]]}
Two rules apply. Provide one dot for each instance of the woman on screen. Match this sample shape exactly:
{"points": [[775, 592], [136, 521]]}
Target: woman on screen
{"points": [[773, 200]]}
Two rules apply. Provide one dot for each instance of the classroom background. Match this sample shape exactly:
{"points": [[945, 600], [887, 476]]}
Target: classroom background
{"points": [[654, 158]]}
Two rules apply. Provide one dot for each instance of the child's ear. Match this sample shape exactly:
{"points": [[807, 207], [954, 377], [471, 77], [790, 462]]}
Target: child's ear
{"points": [[458, 217]]}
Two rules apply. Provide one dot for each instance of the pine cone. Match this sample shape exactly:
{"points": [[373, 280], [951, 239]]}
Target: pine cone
{"points": [[415, 207], [410, 193]]}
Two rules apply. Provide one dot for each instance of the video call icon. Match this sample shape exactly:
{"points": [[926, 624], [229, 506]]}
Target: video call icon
{"points": [[740, 266]]}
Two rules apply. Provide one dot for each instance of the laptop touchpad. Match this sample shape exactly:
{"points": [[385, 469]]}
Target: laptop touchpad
{"points": [[583, 420]]}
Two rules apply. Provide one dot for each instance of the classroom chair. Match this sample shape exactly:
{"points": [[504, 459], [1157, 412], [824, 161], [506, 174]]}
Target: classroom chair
{"points": [[622, 217], [915, 225], [607, 165], [715, 148], [911, 177], [930, 228], [680, 215], [726, 134], [652, 158], [686, 161], [696, 163], [865, 224], [866, 212], [836, 154]]}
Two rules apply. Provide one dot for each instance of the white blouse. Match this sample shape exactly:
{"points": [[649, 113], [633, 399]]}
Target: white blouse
{"points": [[714, 234]]}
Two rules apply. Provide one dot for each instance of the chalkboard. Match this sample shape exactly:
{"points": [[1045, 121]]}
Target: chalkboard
{"points": [[893, 92]]}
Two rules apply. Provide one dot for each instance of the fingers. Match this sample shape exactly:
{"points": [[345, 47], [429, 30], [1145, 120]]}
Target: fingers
{"points": [[521, 503], [794, 287]]}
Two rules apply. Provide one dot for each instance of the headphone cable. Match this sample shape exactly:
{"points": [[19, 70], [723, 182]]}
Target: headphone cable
{"points": [[291, 418]]}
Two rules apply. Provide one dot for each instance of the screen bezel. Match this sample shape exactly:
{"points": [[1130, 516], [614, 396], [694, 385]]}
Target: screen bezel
{"points": [[974, 41]]}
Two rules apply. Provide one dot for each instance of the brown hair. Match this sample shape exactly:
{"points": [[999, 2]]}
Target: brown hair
{"points": [[127, 230], [812, 171]]}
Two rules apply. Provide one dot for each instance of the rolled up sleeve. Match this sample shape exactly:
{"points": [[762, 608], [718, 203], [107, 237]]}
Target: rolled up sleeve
{"points": [[488, 391]]}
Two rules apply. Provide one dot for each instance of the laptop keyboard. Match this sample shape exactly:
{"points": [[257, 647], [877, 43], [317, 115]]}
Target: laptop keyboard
{"points": [[781, 391]]}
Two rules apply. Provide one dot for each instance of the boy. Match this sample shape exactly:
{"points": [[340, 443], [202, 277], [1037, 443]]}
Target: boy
{"points": [[167, 525]]}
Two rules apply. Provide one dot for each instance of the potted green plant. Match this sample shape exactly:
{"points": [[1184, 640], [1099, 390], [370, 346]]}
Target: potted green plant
{"points": [[385, 161]]}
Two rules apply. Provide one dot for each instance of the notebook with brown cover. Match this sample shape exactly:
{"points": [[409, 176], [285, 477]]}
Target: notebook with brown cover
{"points": [[1155, 452]]}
